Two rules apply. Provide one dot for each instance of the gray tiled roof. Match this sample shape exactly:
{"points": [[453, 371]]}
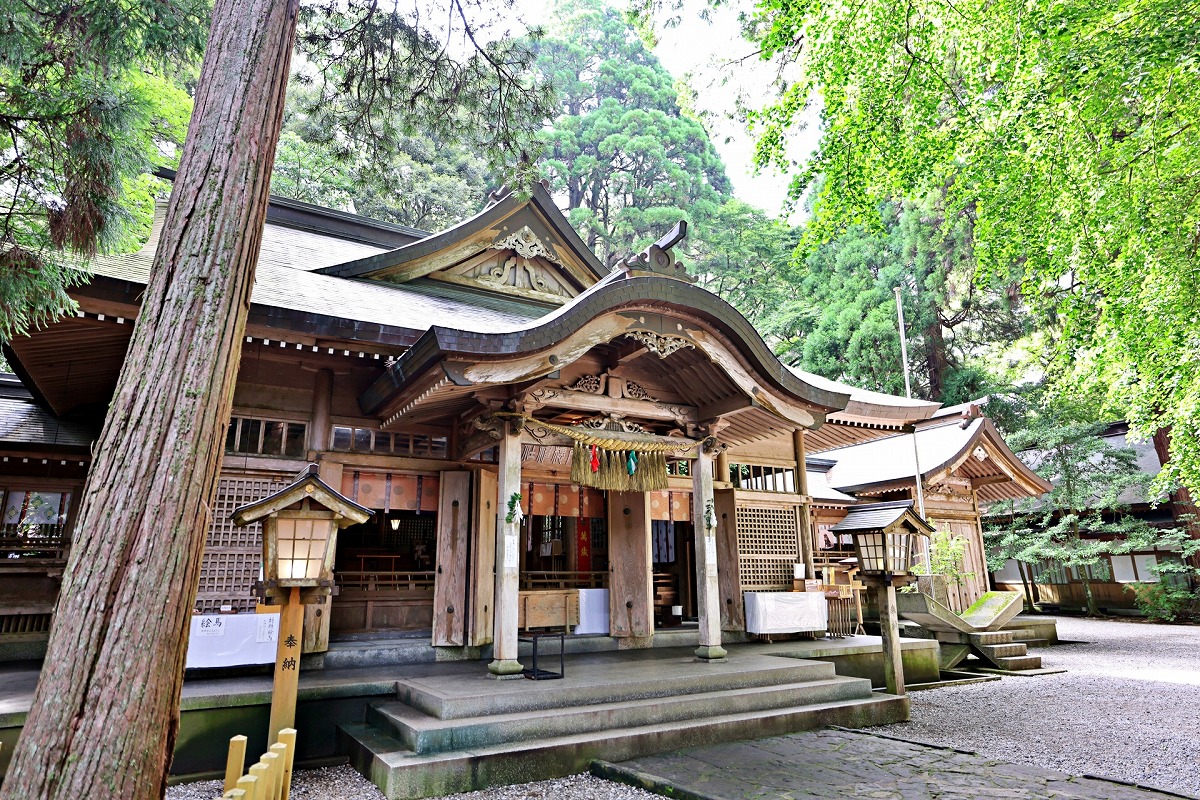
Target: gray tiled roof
{"points": [[285, 279], [873, 517], [891, 458], [23, 422], [1145, 456], [819, 489]]}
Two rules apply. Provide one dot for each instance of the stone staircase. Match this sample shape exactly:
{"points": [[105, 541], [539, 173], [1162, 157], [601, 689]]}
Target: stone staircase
{"points": [[459, 731], [996, 648]]}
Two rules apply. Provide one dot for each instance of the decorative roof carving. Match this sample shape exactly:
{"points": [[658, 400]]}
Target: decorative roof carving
{"points": [[662, 345], [525, 243], [590, 384], [658, 258]]}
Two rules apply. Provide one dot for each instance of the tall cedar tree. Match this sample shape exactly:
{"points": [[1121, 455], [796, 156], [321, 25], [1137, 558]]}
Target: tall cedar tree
{"points": [[105, 714]]}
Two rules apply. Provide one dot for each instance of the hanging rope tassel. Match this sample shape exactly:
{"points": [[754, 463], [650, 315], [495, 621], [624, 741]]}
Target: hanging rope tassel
{"points": [[578, 467]]}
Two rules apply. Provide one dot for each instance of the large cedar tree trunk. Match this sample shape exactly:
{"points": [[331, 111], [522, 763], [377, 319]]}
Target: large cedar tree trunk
{"points": [[106, 711]]}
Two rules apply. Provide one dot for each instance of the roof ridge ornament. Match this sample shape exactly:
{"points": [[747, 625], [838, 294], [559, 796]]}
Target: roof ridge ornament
{"points": [[658, 259]]}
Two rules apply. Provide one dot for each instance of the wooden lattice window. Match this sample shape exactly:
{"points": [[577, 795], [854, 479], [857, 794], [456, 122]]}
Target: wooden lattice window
{"points": [[233, 554], [767, 546]]}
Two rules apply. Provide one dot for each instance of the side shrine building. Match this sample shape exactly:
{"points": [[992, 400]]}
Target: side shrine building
{"points": [[520, 420]]}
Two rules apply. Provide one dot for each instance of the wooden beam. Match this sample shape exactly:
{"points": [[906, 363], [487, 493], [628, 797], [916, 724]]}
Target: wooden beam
{"points": [[602, 404], [725, 405]]}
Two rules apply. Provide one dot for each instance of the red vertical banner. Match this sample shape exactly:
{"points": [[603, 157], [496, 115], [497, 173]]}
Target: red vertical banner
{"points": [[583, 544]]}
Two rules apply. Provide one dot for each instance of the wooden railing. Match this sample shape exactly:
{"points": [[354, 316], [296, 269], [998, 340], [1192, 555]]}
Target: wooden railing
{"points": [[383, 581], [563, 579], [52, 547], [369, 562], [18, 624]]}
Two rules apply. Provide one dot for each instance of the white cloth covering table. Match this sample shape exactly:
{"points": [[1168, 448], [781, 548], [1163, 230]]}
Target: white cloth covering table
{"points": [[786, 612]]}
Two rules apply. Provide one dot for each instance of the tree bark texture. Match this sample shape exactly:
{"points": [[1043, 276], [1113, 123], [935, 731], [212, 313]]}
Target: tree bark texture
{"points": [[106, 711]]}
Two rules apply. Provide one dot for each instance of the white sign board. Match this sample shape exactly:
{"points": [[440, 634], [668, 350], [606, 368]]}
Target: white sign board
{"points": [[230, 640]]}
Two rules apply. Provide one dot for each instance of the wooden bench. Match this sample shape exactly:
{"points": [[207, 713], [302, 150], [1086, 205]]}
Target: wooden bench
{"points": [[548, 608]]}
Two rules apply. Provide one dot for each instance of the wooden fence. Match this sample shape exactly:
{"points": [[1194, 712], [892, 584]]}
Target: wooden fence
{"points": [[268, 779]]}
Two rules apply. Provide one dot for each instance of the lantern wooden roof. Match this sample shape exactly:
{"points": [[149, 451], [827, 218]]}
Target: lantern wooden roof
{"points": [[883, 518], [308, 486]]}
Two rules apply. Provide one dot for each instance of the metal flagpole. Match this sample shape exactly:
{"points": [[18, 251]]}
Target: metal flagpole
{"points": [[908, 394]]}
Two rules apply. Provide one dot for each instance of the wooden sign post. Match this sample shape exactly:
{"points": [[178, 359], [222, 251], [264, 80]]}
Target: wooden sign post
{"points": [[287, 666]]}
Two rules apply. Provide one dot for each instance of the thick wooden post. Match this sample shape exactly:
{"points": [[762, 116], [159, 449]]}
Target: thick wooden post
{"points": [[287, 666], [889, 629], [805, 521], [450, 577], [631, 576], [729, 579], [704, 521], [482, 581], [508, 554], [318, 438]]}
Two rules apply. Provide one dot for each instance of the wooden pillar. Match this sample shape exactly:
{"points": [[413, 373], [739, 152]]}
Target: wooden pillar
{"points": [[704, 521], [482, 581], [287, 667], [322, 401], [889, 629], [450, 573], [508, 553], [722, 474], [805, 521], [630, 585]]}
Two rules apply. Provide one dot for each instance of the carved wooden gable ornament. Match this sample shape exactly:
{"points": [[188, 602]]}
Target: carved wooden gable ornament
{"points": [[517, 262]]}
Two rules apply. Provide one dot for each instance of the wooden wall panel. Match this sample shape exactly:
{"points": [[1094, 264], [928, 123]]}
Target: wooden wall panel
{"points": [[450, 574], [733, 613], [630, 587], [482, 580]]}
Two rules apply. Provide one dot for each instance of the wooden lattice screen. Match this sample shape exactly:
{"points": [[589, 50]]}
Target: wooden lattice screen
{"points": [[767, 546], [233, 555]]}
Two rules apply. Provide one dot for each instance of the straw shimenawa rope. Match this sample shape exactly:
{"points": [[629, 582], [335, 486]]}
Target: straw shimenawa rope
{"points": [[627, 462]]}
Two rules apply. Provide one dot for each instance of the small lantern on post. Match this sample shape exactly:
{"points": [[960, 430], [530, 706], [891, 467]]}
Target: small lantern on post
{"points": [[885, 537], [300, 524]]}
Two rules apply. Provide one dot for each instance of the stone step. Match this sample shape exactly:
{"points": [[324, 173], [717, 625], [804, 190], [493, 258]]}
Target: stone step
{"points": [[423, 733], [995, 651], [400, 773], [991, 637], [1019, 662], [478, 696]]}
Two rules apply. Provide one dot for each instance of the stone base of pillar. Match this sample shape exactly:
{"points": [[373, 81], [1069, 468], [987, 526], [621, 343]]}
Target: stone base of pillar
{"points": [[505, 670], [710, 652]]}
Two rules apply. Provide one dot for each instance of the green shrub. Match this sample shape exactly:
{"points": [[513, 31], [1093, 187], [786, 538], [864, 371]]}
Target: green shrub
{"points": [[1166, 601]]}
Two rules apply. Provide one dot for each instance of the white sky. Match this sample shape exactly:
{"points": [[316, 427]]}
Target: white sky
{"points": [[720, 66]]}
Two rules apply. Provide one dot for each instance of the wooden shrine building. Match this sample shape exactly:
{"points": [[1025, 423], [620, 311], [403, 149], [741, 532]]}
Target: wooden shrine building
{"points": [[518, 418]]}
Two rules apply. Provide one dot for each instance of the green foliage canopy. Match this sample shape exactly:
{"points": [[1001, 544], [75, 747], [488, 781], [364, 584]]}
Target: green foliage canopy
{"points": [[84, 106], [1070, 127]]}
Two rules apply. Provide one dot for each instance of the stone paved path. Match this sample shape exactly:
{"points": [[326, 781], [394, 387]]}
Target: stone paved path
{"points": [[841, 764]]}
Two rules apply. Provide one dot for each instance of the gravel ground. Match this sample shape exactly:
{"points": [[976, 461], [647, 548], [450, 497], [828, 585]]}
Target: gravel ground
{"points": [[1126, 708], [344, 783]]}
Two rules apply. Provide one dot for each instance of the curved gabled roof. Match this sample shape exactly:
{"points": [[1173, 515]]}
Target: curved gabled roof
{"points": [[451, 245], [868, 406], [943, 449], [610, 298]]}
